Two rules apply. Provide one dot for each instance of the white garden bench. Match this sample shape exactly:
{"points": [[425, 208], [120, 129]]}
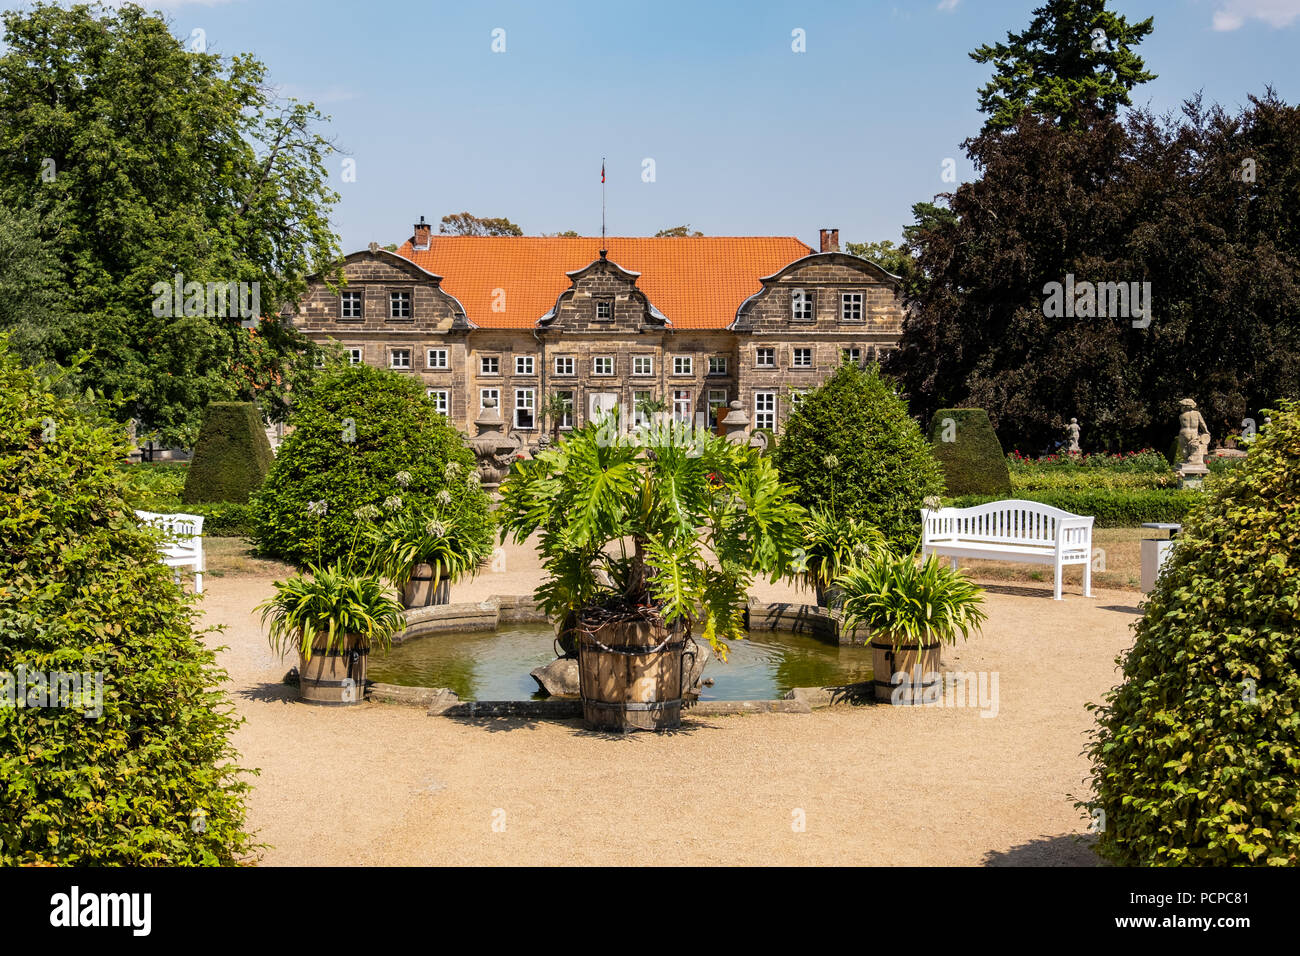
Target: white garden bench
{"points": [[1011, 531], [183, 546]]}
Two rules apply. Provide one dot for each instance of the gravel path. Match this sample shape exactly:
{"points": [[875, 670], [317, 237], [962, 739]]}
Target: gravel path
{"points": [[386, 785]]}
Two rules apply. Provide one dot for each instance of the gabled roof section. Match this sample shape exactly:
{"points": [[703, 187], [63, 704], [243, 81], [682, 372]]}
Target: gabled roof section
{"points": [[695, 283]]}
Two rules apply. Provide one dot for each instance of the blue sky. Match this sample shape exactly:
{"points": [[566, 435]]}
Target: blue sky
{"points": [[747, 136]]}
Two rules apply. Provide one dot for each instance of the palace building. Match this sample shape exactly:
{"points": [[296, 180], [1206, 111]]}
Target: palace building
{"points": [[695, 323]]}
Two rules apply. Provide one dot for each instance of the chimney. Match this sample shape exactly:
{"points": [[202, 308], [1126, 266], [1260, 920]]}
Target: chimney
{"points": [[830, 240], [422, 231]]}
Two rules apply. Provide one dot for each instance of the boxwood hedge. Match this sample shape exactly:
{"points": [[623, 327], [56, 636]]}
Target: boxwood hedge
{"points": [[1111, 507], [969, 451], [231, 457]]}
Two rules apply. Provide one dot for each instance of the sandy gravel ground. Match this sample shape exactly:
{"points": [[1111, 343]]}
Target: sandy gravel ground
{"points": [[387, 785]]}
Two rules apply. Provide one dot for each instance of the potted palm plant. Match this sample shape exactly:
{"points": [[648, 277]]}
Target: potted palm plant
{"points": [[912, 610], [424, 551], [647, 541], [831, 546]]}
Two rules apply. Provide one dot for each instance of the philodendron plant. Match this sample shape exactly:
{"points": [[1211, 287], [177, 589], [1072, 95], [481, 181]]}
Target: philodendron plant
{"points": [[668, 522]]}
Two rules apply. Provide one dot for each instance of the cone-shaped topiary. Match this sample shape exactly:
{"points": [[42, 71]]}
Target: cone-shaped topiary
{"points": [[1197, 758], [970, 453], [114, 746], [363, 438], [850, 449], [231, 457]]}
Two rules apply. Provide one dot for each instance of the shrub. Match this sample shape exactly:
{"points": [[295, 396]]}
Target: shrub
{"points": [[1088, 479], [362, 437], [969, 451], [850, 445], [1195, 759], [154, 487], [1146, 460], [225, 519], [231, 457], [1111, 507], [150, 779]]}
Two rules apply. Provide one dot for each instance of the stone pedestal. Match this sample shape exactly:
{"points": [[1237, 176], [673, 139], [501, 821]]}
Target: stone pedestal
{"points": [[494, 449]]}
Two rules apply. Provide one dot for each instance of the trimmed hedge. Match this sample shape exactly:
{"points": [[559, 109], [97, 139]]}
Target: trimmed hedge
{"points": [[232, 456], [969, 451], [1111, 507]]}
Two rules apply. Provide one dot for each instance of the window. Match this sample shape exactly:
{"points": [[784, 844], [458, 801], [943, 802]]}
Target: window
{"points": [[399, 305], [350, 305], [643, 365], [354, 355], [524, 365], [525, 407], [437, 359], [399, 358], [801, 358], [765, 358], [320, 361], [682, 406], [489, 365], [851, 306], [640, 417], [602, 365], [440, 398], [717, 405], [765, 410], [604, 310], [853, 355], [564, 365], [717, 365], [484, 394], [566, 417], [801, 305], [683, 365]]}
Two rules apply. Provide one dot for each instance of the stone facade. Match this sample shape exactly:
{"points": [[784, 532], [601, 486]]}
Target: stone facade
{"points": [[604, 342]]}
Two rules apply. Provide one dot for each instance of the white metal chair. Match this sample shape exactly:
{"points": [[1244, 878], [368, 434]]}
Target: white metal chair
{"points": [[183, 546]]}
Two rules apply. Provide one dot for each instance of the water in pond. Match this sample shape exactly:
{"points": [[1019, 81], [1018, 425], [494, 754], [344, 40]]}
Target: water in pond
{"points": [[494, 665]]}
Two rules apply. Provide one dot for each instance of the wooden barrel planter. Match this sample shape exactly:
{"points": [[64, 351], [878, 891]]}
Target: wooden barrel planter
{"points": [[420, 592], [630, 676], [334, 678], [915, 660]]}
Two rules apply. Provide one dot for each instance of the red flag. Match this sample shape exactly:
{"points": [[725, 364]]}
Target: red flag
{"points": [[602, 170]]}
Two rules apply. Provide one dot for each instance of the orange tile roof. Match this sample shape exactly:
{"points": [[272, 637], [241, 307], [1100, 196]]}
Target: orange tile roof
{"points": [[697, 282]]}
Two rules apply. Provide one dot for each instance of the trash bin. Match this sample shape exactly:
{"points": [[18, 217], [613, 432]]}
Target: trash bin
{"points": [[1155, 551]]}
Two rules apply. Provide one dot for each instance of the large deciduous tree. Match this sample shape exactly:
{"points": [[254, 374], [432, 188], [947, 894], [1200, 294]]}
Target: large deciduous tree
{"points": [[468, 224], [142, 161]]}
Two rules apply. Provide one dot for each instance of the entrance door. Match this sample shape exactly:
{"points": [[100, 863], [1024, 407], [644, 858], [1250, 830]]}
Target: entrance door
{"points": [[600, 404]]}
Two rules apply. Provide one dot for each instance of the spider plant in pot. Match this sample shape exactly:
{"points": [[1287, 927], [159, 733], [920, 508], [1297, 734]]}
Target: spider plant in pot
{"points": [[332, 616], [424, 551], [831, 546], [912, 609], [647, 541]]}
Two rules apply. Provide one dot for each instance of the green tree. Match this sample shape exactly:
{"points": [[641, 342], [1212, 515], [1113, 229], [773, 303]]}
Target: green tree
{"points": [[1076, 56], [142, 160], [467, 224], [677, 232], [30, 306]]}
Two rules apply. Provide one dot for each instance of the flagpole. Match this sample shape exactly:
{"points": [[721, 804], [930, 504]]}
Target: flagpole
{"points": [[602, 202]]}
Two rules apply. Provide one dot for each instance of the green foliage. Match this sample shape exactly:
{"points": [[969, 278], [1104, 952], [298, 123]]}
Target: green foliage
{"points": [[703, 517], [678, 232], [165, 161], [1197, 752], [850, 446], [232, 456], [324, 611], [968, 449], [910, 602], [467, 224], [1111, 507], [452, 538], [402, 453], [1060, 68], [152, 779], [1140, 469], [831, 545], [31, 304], [224, 519]]}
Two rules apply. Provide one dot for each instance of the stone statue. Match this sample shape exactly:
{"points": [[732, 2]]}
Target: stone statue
{"points": [[1193, 438], [494, 449], [1072, 434]]}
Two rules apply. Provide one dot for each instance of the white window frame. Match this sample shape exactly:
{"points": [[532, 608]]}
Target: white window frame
{"points": [[570, 366], [717, 398], [609, 303], [764, 416], [683, 365], [758, 356], [683, 405], [436, 359], [525, 401], [851, 302], [649, 362], [851, 353], [639, 418], [357, 298], [441, 399], [356, 354], [396, 296], [796, 351], [801, 305], [721, 363], [525, 365], [392, 359], [486, 393], [566, 420], [483, 361], [595, 369]]}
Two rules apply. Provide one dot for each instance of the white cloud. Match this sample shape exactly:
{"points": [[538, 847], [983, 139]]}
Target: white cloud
{"points": [[1233, 14], [948, 4]]}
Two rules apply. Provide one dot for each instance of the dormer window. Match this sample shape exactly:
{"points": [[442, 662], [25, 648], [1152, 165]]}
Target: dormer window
{"points": [[801, 305], [604, 310], [349, 305], [399, 305], [851, 306]]}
